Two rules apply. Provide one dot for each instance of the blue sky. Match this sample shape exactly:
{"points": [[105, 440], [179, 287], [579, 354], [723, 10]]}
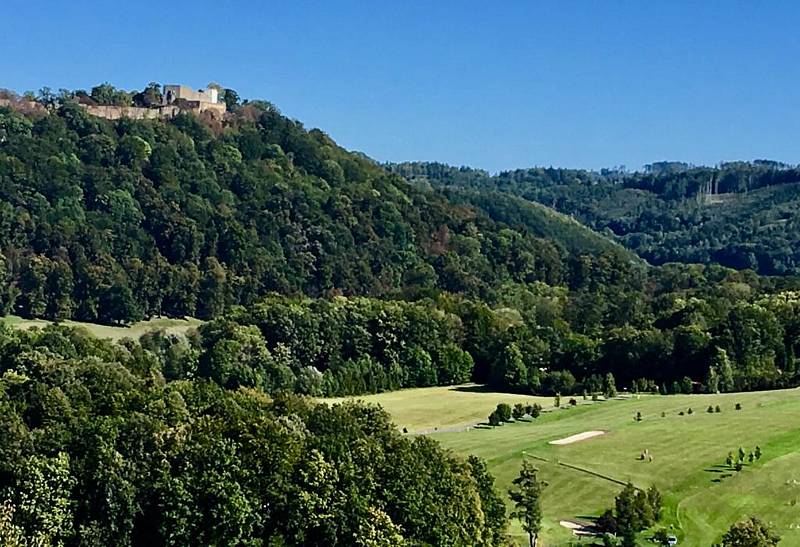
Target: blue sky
{"points": [[496, 85]]}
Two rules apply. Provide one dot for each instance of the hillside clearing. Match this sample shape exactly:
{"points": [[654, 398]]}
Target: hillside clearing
{"points": [[448, 408], [135, 330]]}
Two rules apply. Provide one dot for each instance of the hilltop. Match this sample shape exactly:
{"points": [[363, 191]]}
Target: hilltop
{"points": [[118, 220]]}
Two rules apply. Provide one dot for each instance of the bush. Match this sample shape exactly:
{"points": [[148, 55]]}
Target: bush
{"points": [[558, 381], [504, 412], [533, 410]]}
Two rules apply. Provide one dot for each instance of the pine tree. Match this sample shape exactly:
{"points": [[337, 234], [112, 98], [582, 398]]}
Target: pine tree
{"points": [[527, 498], [609, 386], [654, 498], [712, 380], [722, 363], [627, 515]]}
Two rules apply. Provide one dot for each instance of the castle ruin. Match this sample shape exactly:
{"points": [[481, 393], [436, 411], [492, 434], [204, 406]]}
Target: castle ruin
{"points": [[175, 100]]}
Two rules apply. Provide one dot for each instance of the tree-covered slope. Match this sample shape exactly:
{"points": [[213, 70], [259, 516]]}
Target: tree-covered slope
{"points": [[740, 215], [541, 221], [117, 220]]}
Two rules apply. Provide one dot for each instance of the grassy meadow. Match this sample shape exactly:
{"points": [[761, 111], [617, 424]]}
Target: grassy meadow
{"points": [[702, 497], [175, 326], [428, 409]]}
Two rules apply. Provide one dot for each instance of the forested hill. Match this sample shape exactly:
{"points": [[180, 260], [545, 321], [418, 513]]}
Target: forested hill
{"points": [[116, 220], [739, 214]]}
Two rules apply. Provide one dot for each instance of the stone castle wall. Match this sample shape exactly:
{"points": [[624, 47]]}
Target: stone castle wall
{"points": [[139, 113], [132, 112]]}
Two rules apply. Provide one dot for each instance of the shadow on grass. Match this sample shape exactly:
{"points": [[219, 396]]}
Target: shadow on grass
{"points": [[473, 389], [721, 477]]}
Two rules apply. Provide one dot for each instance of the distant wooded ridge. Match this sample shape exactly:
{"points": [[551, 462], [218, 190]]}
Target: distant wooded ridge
{"points": [[741, 215]]}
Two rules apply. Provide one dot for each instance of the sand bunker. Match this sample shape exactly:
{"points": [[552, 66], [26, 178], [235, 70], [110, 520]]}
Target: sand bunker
{"points": [[578, 437]]}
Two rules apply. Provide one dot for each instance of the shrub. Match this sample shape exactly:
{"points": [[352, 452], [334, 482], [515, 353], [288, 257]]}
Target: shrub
{"points": [[504, 412], [533, 410]]}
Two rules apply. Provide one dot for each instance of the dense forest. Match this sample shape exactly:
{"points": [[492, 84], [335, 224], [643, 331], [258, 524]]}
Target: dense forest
{"points": [[99, 448], [739, 214], [114, 221], [695, 329]]}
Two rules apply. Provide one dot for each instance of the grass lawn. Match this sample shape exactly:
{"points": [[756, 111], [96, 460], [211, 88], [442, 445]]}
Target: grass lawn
{"points": [[177, 326], [422, 410], [702, 498]]}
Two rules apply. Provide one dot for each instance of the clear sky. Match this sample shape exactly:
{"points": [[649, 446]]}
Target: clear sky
{"points": [[496, 85]]}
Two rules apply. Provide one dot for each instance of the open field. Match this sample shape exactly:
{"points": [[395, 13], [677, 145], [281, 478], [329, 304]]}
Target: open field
{"points": [[701, 497], [424, 410], [177, 326]]}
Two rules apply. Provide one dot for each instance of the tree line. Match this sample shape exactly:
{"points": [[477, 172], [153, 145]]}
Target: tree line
{"points": [[726, 335]]}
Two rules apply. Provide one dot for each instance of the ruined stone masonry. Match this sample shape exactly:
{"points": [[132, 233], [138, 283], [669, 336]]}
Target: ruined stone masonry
{"points": [[176, 99]]}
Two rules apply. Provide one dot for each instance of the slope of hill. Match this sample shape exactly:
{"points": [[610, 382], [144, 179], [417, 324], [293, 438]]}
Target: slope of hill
{"points": [[540, 221], [740, 215], [120, 220]]}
